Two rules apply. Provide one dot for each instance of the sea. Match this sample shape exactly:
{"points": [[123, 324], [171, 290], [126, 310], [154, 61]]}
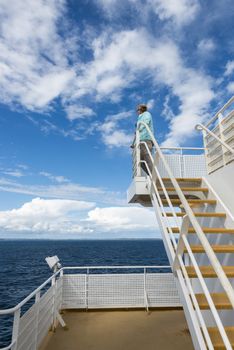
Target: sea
{"points": [[23, 267]]}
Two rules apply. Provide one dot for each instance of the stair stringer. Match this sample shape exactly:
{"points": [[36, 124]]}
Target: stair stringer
{"points": [[190, 315]]}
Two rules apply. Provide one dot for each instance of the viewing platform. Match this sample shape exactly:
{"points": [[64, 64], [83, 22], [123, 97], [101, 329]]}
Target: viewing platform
{"points": [[115, 330]]}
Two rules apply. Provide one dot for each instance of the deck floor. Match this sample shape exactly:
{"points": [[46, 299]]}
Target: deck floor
{"points": [[119, 330]]}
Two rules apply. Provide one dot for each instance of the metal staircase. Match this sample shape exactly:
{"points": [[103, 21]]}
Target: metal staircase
{"points": [[198, 230]]}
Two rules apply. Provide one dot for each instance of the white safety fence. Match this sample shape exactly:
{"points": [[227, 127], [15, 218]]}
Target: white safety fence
{"points": [[119, 290], [89, 288], [218, 136], [183, 161]]}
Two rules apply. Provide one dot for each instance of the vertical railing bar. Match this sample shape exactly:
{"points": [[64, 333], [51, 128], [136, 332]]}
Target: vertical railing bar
{"points": [[138, 156], [53, 305], [37, 306], [220, 126], [145, 292], [15, 331], [87, 289]]}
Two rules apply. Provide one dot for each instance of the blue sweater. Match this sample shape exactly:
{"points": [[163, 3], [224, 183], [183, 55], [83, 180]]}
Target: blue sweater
{"points": [[147, 119]]}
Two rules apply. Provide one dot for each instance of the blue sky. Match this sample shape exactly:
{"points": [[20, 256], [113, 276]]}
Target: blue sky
{"points": [[71, 74]]}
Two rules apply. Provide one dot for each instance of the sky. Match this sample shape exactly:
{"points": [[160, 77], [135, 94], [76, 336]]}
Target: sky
{"points": [[71, 75]]}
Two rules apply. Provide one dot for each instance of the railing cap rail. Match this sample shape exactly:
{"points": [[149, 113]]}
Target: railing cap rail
{"points": [[220, 111]]}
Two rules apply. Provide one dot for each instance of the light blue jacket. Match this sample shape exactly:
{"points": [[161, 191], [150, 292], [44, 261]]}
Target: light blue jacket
{"points": [[147, 119]]}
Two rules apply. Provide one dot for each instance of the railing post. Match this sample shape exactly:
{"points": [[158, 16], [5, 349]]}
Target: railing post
{"points": [[53, 285], [138, 154], [87, 290], [15, 331], [181, 163], [145, 292], [204, 134], [37, 308], [220, 118], [181, 245]]}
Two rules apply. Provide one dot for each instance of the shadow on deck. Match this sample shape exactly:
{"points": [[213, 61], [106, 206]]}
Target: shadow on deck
{"points": [[115, 330]]}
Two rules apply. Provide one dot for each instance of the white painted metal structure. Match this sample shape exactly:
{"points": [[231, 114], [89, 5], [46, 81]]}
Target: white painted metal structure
{"points": [[94, 287], [218, 137], [188, 260]]}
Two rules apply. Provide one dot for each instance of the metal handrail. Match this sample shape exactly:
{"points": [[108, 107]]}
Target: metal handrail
{"points": [[209, 251], [174, 249], [204, 241], [31, 295], [220, 111], [178, 258], [17, 309], [200, 127]]}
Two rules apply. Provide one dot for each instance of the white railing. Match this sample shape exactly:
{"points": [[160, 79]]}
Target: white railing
{"points": [[175, 252], [93, 287], [30, 328], [218, 138], [183, 161]]}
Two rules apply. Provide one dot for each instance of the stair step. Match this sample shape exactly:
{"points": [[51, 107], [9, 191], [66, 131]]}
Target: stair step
{"points": [[186, 189], [206, 230], [186, 179], [220, 300], [226, 248], [208, 271], [208, 215], [190, 201], [216, 337]]}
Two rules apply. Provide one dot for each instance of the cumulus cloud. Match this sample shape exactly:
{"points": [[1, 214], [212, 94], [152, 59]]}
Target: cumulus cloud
{"points": [[119, 55], [78, 112], [59, 216], [229, 68], [179, 11], [123, 218], [206, 46], [230, 87], [34, 67], [51, 215], [112, 134]]}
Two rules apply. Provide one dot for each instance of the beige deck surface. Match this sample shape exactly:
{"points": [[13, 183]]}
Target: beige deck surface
{"points": [[119, 330]]}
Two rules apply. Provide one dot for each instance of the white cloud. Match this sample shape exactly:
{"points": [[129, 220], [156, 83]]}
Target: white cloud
{"points": [[230, 87], [123, 218], [229, 68], [63, 190], [112, 134], [40, 215], [59, 179], [150, 103], [117, 138], [57, 216], [119, 54], [34, 67], [14, 173], [78, 112], [206, 46], [179, 11]]}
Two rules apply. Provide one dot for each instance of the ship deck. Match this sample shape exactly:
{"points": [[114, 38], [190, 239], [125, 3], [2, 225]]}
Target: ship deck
{"points": [[115, 330]]}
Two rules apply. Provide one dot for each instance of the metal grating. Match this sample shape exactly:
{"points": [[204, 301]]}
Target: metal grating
{"points": [[119, 290], [184, 165]]}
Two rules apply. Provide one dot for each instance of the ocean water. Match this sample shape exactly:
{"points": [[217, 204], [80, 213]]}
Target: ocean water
{"points": [[23, 266]]}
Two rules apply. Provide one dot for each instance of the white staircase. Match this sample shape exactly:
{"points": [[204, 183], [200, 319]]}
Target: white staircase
{"points": [[197, 227]]}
